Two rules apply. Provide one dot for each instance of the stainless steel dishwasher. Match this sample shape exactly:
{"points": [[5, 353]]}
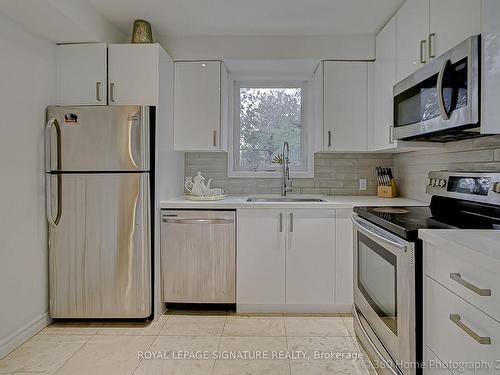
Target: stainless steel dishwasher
{"points": [[198, 256]]}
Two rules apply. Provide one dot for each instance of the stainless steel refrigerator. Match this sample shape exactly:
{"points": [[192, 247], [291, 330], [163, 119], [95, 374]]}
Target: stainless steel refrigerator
{"points": [[98, 203]]}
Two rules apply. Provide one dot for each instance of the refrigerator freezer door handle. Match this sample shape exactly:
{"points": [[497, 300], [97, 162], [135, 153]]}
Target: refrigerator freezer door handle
{"points": [[138, 139], [52, 123]]}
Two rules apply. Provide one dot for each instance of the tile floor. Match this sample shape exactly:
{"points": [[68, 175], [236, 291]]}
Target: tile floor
{"points": [[148, 349]]}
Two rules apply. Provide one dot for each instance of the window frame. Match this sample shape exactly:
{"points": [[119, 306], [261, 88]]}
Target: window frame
{"points": [[305, 82]]}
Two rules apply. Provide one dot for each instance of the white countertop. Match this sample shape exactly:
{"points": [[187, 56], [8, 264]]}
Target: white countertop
{"points": [[486, 242], [240, 201]]}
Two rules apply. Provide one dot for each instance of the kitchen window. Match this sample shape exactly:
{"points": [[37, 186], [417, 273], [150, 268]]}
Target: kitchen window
{"points": [[265, 114]]}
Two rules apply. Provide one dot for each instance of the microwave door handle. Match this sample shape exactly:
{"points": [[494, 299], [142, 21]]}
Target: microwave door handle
{"points": [[440, 96]]}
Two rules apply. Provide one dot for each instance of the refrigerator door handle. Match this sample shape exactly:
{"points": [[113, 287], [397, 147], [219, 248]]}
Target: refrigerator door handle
{"points": [[52, 123], [138, 142], [48, 200]]}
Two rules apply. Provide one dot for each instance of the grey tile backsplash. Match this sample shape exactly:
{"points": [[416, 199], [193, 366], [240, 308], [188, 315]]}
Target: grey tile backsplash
{"points": [[473, 155], [339, 174], [334, 174]]}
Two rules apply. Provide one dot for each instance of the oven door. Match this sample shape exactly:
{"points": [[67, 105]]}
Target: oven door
{"points": [[384, 289], [440, 101]]}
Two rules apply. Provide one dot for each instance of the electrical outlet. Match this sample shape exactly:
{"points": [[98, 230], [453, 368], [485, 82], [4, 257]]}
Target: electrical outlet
{"points": [[363, 184]]}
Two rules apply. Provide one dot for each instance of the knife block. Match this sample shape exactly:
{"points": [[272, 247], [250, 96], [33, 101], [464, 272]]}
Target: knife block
{"points": [[387, 191]]}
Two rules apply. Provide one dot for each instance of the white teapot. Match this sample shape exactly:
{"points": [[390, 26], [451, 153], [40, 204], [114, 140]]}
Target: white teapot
{"points": [[197, 186]]}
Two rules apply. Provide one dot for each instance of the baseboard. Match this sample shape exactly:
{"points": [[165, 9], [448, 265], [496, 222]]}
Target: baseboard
{"points": [[17, 338], [289, 308]]}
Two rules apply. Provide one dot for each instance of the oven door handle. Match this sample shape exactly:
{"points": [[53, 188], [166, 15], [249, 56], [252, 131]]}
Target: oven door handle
{"points": [[365, 228]]}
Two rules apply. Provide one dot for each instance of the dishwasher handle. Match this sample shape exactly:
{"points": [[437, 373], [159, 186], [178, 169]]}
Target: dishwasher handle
{"points": [[172, 220]]}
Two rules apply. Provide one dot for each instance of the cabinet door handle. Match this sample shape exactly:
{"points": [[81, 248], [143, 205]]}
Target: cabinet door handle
{"points": [[391, 134], [291, 222], [455, 318], [432, 45], [214, 138], [458, 278], [329, 138], [98, 91], [112, 92], [422, 51], [281, 222]]}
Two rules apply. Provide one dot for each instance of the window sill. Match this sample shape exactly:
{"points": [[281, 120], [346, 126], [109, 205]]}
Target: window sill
{"points": [[264, 174]]}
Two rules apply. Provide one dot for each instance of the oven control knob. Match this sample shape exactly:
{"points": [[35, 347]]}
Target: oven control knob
{"points": [[496, 187], [433, 182], [429, 181], [442, 182]]}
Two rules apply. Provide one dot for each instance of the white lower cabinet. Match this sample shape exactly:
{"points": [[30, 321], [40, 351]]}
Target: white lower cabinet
{"points": [[285, 257], [457, 331], [344, 268], [260, 257], [461, 318], [434, 365], [310, 262]]}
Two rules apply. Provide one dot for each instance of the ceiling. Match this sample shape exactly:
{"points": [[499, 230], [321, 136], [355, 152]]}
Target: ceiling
{"points": [[251, 17]]}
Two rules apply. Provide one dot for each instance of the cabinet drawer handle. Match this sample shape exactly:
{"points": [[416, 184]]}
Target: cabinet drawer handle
{"points": [[98, 91], [422, 51], [455, 318], [281, 222], [458, 278], [432, 45], [291, 222], [214, 140], [329, 138], [112, 91]]}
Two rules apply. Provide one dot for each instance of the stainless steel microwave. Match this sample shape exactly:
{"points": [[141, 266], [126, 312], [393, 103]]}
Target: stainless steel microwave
{"points": [[440, 101]]}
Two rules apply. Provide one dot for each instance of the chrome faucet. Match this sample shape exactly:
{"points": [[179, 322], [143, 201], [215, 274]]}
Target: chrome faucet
{"points": [[286, 183]]}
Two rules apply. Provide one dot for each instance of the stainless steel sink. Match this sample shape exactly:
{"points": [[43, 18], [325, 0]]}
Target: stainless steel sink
{"points": [[284, 199]]}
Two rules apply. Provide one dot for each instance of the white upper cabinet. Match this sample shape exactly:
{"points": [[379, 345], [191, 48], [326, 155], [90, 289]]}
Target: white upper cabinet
{"points": [[81, 74], [115, 74], [198, 105], [310, 257], [345, 105], [133, 74], [490, 73], [428, 28], [451, 22], [412, 31], [384, 80]]}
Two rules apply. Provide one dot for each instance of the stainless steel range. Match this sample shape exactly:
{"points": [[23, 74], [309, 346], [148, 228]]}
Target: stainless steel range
{"points": [[388, 262]]}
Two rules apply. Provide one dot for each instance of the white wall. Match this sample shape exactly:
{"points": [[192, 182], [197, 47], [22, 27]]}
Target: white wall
{"points": [[63, 21], [27, 86]]}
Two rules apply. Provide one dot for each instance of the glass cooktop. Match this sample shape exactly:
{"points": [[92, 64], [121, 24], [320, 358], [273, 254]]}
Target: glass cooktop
{"points": [[443, 213]]}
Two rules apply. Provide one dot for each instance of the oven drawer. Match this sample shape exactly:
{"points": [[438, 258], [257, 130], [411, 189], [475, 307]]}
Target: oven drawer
{"points": [[466, 273], [456, 331]]}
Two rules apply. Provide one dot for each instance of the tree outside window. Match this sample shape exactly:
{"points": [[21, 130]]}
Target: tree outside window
{"points": [[268, 116]]}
